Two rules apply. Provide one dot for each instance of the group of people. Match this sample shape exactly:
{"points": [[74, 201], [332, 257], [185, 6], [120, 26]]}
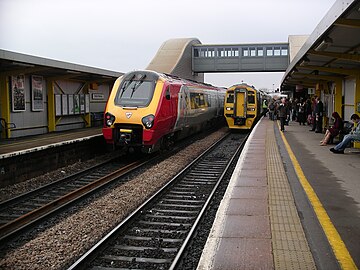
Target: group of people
{"points": [[311, 112]]}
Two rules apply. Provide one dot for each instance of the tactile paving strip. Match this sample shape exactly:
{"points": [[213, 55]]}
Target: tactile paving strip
{"points": [[290, 247]]}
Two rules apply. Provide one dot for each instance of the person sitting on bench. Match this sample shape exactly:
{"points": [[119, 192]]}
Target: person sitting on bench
{"points": [[353, 136]]}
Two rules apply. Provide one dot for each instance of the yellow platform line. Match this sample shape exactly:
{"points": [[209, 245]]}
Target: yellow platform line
{"points": [[338, 246]]}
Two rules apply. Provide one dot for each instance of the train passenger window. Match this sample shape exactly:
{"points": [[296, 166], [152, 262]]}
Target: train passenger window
{"points": [[167, 93], [260, 52], [269, 51]]}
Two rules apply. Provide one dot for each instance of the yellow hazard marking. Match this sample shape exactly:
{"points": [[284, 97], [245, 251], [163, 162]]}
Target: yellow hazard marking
{"points": [[338, 246]]}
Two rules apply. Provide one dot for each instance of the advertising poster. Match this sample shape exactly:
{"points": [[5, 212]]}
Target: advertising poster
{"points": [[37, 95], [71, 104], [64, 101], [76, 104], [18, 93], [58, 105]]}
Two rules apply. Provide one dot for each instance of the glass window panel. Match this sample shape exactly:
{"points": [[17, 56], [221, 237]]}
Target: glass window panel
{"points": [[196, 53], [284, 51], [237, 53], [269, 51], [277, 51], [245, 52], [252, 52], [260, 52]]}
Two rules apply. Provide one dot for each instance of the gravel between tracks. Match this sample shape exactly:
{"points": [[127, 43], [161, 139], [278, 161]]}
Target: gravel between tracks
{"points": [[59, 246]]}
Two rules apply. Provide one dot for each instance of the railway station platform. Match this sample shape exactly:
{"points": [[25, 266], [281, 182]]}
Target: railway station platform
{"points": [[18, 146], [290, 204], [27, 157]]}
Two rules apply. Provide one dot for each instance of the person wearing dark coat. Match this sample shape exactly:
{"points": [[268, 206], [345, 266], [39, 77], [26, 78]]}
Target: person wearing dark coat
{"points": [[319, 108], [284, 113]]}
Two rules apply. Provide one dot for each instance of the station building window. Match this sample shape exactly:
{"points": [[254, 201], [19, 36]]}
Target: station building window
{"points": [[260, 52], [269, 52], [196, 52], [284, 51]]}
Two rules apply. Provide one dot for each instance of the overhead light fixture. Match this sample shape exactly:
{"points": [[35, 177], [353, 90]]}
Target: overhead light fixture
{"points": [[22, 64], [73, 72], [324, 44]]}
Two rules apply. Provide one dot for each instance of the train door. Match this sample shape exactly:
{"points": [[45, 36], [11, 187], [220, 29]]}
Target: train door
{"points": [[240, 103], [181, 110]]}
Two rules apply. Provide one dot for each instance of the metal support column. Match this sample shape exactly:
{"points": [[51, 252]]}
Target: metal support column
{"points": [[51, 106], [338, 98], [5, 103]]}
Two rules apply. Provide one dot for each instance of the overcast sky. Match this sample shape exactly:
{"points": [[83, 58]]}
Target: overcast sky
{"points": [[124, 35]]}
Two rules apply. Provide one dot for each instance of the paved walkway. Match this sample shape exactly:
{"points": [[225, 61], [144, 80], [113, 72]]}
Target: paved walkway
{"points": [[284, 209]]}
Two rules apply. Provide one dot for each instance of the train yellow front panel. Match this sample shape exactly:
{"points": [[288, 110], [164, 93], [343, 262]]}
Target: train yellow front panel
{"points": [[240, 102]]}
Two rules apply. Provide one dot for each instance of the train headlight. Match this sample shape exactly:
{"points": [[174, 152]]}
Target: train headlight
{"points": [[109, 119], [251, 109], [229, 108], [148, 121]]}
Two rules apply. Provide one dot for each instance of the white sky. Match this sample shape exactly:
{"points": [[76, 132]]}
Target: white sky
{"points": [[124, 35]]}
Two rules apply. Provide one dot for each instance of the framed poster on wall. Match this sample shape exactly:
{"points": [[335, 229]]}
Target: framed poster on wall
{"points": [[64, 102], [57, 105], [76, 104], [87, 103], [71, 104], [82, 103], [18, 93], [37, 95]]}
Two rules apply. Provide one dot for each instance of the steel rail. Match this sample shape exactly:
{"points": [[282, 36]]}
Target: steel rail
{"points": [[9, 229], [82, 262]]}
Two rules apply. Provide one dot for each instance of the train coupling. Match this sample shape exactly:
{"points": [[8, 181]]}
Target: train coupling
{"points": [[125, 136]]}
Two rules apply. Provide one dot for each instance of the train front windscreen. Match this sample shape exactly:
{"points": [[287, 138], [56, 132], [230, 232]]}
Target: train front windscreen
{"points": [[135, 92]]}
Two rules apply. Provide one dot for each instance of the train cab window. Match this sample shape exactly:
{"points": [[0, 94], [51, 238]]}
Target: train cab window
{"points": [[251, 97], [135, 93], [230, 98]]}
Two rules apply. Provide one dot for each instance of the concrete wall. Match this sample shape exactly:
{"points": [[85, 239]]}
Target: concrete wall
{"points": [[295, 43]]}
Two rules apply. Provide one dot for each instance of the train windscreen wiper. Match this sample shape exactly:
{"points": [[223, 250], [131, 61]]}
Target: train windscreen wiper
{"points": [[136, 85], [126, 85]]}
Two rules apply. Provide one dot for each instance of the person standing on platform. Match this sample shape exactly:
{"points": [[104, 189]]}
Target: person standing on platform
{"points": [[283, 113], [313, 106], [353, 136], [301, 112], [264, 107], [271, 109], [319, 109]]}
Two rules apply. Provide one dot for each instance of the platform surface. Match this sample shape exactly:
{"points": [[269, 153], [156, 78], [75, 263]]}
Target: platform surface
{"points": [[291, 204]]}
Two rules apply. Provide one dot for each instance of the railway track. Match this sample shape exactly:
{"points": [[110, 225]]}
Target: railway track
{"points": [[24, 211], [156, 235]]}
